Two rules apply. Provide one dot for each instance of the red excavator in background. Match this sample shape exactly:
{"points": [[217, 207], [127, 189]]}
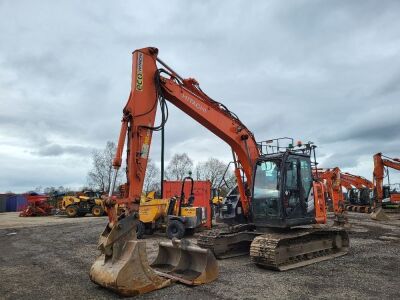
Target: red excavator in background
{"points": [[383, 195], [278, 198], [37, 206]]}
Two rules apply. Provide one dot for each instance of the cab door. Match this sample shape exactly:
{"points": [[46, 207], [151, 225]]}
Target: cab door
{"points": [[297, 187]]}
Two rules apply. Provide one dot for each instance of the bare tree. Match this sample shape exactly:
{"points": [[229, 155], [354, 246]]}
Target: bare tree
{"points": [[213, 169], [152, 178], [38, 189], [179, 166], [100, 176]]}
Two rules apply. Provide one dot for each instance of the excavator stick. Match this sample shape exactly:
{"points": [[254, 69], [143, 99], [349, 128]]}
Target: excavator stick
{"points": [[122, 265], [379, 215], [181, 261]]}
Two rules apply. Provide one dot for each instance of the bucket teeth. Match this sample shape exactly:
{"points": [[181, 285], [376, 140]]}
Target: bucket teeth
{"points": [[123, 266], [186, 263], [129, 274]]}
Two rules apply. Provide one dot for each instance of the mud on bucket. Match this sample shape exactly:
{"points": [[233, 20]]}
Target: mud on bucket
{"points": [[379, 215], [122, 265], [181, 261]]}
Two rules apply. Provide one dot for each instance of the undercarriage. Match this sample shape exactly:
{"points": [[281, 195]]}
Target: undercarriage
{"points": [[277, 249]]}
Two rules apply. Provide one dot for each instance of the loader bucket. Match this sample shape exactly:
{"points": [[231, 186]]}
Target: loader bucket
{"points": [[186, 263], [379, 215], [122, 265]]}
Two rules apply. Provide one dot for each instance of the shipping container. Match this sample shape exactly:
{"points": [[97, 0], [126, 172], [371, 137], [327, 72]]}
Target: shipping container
{"points": [[201, 191], [3, 202], [16, 203]]}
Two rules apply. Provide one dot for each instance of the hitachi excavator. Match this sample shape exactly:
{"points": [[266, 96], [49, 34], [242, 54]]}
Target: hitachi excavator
{"points": [[279, 200], [359, 192], [382, 194], [333, 183]]}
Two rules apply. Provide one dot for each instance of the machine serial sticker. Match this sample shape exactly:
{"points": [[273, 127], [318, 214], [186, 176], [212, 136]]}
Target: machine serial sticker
{"points": [[145, 150], [139, 72], [146, 144]]}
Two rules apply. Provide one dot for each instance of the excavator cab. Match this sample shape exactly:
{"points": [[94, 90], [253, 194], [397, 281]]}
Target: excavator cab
{"points": [[281, 190]]}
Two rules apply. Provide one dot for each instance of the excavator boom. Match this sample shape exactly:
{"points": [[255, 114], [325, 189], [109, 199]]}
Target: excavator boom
{"points": [[380, 162], [356, 181]]}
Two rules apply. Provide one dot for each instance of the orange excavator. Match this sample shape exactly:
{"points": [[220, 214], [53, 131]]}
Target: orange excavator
{"points": [[359, 190], [383, 195], [279, 200], [333, 182]]}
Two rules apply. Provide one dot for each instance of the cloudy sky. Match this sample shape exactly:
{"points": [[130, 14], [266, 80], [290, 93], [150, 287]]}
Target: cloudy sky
{"points": [[322, 71]]}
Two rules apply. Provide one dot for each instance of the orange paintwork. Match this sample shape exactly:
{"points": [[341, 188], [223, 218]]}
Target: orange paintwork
{"points": [[333, 187], [378, 174], [319, 202], [139, 114], [355, 181]]}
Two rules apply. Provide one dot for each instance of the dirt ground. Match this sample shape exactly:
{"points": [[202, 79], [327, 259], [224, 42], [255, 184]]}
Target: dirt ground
{"points": [[50, 257]]}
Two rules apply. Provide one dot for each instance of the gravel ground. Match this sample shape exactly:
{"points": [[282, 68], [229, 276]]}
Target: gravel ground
{"points": [[53, 260]]}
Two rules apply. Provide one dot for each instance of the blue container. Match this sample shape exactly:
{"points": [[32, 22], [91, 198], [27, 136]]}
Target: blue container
{"points": [[16, 203]]}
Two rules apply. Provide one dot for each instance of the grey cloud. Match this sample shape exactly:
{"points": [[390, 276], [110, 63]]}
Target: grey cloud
{"points": [[57, 150], [390, 87], [372, 130], [344, 161], [325, 71]]}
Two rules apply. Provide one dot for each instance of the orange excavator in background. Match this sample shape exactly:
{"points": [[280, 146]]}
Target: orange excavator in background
{"points": [[333, 182], [383, 195], [359, 192], [279, 200]]}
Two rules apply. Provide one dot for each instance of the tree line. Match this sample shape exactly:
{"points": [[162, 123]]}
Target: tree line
{"points": [[179, 166]]}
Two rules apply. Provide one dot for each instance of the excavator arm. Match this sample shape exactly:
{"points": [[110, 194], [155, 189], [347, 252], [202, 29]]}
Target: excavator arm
{"points": [[152, 87], [380, 162], [333, 185], [355, 180]]}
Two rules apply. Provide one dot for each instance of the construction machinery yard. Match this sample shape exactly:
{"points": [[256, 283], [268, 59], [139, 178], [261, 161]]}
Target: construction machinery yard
{"points": [[251, 150], [274, 218], [52, 257]]}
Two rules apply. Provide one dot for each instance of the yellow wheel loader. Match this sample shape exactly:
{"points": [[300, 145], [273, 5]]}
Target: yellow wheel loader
{"points": [[80, 205], [177, 216]]}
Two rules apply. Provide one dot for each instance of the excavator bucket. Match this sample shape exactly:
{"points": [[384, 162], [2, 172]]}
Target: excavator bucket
{"points": [[122, 265], [181, 261], [379, 215]]}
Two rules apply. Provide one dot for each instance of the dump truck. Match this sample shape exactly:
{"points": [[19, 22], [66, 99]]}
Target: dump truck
{"points": [[176, 215]]}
